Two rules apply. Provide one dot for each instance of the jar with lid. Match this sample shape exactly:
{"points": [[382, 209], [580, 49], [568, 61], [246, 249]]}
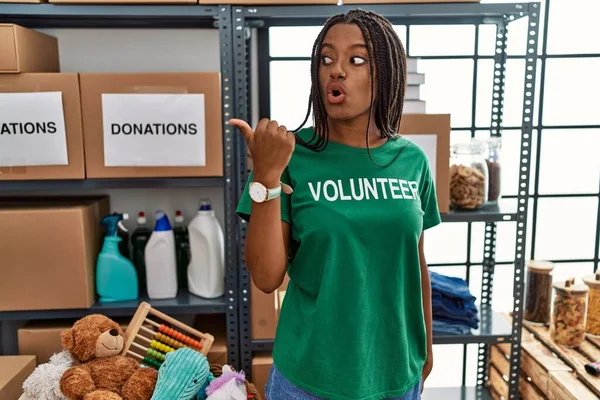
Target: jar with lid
{"points": [[569, 313], [468, 176], [493, 148], [538, 295], [592, 326]]}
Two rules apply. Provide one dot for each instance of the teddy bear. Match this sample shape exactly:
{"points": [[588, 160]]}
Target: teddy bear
{"points": [[96, 342]]}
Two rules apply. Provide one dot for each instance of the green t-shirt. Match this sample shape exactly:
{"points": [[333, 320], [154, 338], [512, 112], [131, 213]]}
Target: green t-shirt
{"points": [[351, 324]]}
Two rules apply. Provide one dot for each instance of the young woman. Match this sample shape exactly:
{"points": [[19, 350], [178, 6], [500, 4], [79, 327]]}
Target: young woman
{"points": [[341, 207]]}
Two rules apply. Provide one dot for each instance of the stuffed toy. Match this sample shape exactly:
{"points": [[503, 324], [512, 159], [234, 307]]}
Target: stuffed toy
{"points": [[229, 386], [182, 375], [95, 342], [44, 381]]}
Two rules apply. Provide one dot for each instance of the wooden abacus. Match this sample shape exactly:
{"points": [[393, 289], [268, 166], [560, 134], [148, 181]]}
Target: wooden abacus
{"points": [[152, 334]]}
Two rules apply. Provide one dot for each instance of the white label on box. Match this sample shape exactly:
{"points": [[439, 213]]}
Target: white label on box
{"points": [[32, 130], [428, 143], [154, 130]]}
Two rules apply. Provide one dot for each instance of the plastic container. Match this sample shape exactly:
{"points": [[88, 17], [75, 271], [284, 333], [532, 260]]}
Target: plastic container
{"points": [[206, 272], [116, 278], [538, 295], [592, 326], [182, 249], [493, 149], [569, 313], [468, 176], [139, 240], [161, 263]]}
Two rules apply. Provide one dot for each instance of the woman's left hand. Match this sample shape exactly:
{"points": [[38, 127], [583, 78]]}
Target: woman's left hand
{"points": [[427, 369]]}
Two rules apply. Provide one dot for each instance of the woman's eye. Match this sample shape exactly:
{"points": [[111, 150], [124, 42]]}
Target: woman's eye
{"points": [[357, 60], [327, 60]]}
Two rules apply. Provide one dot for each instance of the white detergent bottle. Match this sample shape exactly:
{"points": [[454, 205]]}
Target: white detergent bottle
{"points": [[161, 262], [206, 271]]}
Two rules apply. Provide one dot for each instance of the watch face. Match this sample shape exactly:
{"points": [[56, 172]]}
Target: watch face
{"points": [[258, 192]]}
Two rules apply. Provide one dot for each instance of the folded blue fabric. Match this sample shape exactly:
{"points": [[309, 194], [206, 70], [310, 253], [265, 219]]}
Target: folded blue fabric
{"points": [[453, 303], [451, 286], [445, 328]]}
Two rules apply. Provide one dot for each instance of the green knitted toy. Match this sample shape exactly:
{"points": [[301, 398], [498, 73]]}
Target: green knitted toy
{"points": [[182, 375]]}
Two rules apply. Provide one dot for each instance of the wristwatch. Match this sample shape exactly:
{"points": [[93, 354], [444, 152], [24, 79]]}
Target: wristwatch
{"points": [[259, 193]]}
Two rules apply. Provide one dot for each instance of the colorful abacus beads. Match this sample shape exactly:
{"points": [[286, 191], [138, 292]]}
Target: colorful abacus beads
{"points": [[161, 347], [157, 355], [168, 340], [151, 362], [180, 336]]}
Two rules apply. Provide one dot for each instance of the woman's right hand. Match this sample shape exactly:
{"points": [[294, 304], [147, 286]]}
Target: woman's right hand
{"points": [[271, 147]]}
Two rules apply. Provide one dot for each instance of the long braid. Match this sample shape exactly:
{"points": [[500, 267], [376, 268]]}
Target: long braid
{"points": [[387, 63]]}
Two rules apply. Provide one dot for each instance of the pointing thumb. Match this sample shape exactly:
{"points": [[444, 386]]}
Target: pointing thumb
{"points": [[243, 126]]}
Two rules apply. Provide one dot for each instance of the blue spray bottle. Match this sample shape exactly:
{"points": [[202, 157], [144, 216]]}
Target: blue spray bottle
{"points": [[116, 277]]}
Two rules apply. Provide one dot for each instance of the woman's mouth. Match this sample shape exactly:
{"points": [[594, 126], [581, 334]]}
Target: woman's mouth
{"points": [[335, 93]]}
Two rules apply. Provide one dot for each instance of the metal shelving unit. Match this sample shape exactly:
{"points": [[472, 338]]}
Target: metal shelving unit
{"points": [[494, 328], [143, 16]]}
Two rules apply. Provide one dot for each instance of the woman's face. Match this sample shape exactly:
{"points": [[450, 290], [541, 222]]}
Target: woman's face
{"points": [[344, 73]]}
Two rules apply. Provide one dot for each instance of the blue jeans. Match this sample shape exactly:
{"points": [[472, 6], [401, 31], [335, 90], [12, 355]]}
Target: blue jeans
{"points": [[279, 388]]}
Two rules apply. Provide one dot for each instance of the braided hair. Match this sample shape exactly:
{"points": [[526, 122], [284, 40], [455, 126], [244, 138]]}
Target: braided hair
{"points": [[383, 46]]}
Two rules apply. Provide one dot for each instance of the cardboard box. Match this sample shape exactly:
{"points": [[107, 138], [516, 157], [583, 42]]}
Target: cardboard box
{"points": [[13, 372], [269, 2], [49, 254], [432, 133], [264, 312], [151, 86], [41, 339], [26, 50], [407, 1], [216, 325], [141, 2], [68, 86], [261, 367]]}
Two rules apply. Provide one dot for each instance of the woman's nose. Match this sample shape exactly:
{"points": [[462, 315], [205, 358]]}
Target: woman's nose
{"points": [[337, 73]]}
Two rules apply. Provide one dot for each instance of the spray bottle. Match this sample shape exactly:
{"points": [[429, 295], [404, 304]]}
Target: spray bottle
{"points": [[116, 278]]}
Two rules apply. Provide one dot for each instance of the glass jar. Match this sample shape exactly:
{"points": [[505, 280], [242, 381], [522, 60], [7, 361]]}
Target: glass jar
{"points": [[538, 296], [569, 313], [592, 325], [468, 176], [493, 148]]}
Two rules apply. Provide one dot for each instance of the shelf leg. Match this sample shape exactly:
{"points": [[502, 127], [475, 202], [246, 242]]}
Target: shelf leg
{"points": [[523, 196], [231, 198]]}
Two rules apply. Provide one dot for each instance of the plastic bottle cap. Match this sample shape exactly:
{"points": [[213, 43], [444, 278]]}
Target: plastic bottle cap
{"points": [[141, 218], [205, 205], [162, 222], [178, 216]]}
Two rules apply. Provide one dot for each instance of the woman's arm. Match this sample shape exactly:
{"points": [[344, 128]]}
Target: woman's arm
{"points": [[267, 241], [426, 289], [271, 147]]}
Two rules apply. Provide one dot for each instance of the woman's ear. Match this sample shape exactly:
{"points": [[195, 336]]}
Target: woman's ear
{"points": [[67, 339]]}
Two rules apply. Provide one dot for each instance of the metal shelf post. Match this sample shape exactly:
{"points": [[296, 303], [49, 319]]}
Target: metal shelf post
{"points": [[523, 196]]}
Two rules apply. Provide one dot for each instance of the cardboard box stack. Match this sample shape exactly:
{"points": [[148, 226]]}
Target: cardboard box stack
{"points": [[40, 118]]}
